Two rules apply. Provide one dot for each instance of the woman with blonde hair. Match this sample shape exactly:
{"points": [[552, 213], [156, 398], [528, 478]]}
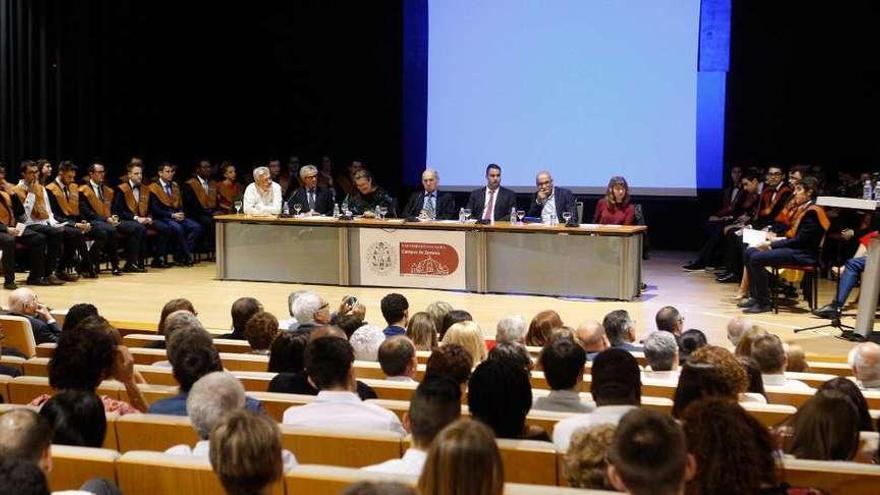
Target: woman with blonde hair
{"points": [[744, 346], [422, 331], [245, 453], [615, 208], [463, 459], [541, 327], [468, 335]]}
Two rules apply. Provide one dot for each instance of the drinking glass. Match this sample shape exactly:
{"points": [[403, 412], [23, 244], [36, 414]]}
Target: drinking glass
{"points": [[566, 216], [467, 214], [383, 210], [238, 207], [520, 214], [297, 207]]}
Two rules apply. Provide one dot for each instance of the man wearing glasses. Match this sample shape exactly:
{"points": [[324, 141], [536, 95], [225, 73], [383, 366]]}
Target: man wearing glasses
{"points": [[550, 201], [310, 196]]}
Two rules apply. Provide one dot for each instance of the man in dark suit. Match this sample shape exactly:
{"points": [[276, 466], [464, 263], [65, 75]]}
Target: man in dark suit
{"points": [[200, 202], [492, 202], [551, 201], [24, 302], [166, 206], [430, 201], [310, 196]]}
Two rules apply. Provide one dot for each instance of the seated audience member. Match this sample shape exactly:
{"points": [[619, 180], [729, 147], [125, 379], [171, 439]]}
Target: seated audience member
{"points": [[352, 319], [76, 314], [668, 319], [849, 388], [649, 456], [690, 341], [451, 318], [329, 366], [193, 355], [744, 346], [864, 359], [211, 398], [550, 201], [615, 208], [736, 328], [287, 353], [435, 404], [463, 459], [366, 341], [541, 326], [500, 395], [422, 331], [585, 462], [592, 338], [450, 361], [367, 197], [10, 209], [180, 319], [755, 389], [179, 304], [310, 196], [166, 207], [242, 310], [493, 202], [710, 372], [438, 311], [24, 302], [769, 357], [513, 352], [429, 203], [796, 358], [85, 357], [245, 452], [311, 310], [228, 189], [77, 418], [20, 477], [661, 352], [291, 323], [262, 197], [510, 329], [395, 310], [734, 452], [620, 330], [616, 388], [825, 428], [562, 360], [397, 357], [260, 331], [468, 335]]}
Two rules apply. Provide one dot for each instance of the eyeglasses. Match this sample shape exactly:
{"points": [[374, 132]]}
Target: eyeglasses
{"points": [[310, 176]]}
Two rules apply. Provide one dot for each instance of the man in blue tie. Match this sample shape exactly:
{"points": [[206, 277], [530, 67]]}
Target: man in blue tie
{"points": [[429, 203], [166, 206]]}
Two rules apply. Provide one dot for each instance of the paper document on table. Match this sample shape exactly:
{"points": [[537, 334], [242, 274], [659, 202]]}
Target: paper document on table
{"points": [[753, 237]]}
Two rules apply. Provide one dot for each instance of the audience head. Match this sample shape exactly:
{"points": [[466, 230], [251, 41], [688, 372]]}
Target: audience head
{"points": [[768, 355], [648, 455], [23, 301], [736, 328], [261, 330], [514, 353], [26, 435], [311, 309], [511, 329], [541, 327], [468, 335], [692, 340], [192, 355], [211, 397], [734, 452], [796, 358], [591, 336], [20, 477], [464, 459], [242, 310], [246, 452], [288, 352], [585, 461], [710, 372], [395, 309], [366, 341], [619, 328], [562, 360], [661, 351], [616, 379], [422, 331], [83, 358], [668, 319], [500, 395], [435, 404], [452, 317], [76, 314], [825, 428], [397, 357], [450, 361], [181, 319], [292, 297], [77, 418], [378, 488], [865, 362], [329, 363], [744, 346], [753, 376], [848, 388], [438, 311], [171, 306]]}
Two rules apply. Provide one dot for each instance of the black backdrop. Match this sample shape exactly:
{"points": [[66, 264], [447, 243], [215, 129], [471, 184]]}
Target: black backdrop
{"points": [[182, 80]]}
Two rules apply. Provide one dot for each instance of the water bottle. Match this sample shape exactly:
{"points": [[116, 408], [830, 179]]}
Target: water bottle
{"points": [[867, 192], [336, 213], [345, 208], [285, 209], [461, 215], [877, 191], [513, 215], [553, 220]]}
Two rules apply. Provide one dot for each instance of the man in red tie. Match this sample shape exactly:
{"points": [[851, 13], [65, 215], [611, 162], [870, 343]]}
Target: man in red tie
{"points": [[492, 202]]}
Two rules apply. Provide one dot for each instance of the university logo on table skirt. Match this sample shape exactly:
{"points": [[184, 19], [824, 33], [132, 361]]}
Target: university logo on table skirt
{"points": [[413, 258]]}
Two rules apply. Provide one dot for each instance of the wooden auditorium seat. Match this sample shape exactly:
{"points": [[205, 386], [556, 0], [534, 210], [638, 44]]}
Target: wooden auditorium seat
{"points": [[151, 393], [156, 432], [36, 366], [14, 362], [528, 461], [19, 334], [276, 403], [24, 389], [46, 349], [4, 388], [73, 466], [347, 448], [222, 345], [830, 368], [835, 477]]}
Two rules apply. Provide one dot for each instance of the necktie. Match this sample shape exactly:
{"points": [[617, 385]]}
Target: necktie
{"points": [[429, 205], [100, 191], [168, 189], [490, 206], [311, 200], [136, 192], [66, 194]]}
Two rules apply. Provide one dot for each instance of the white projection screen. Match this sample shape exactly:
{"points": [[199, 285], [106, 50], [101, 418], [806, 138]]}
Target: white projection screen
{"points": [[588, 89]]}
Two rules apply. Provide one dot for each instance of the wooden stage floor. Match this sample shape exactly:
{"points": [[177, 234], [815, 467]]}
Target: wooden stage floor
{"points": [[706, 304]]}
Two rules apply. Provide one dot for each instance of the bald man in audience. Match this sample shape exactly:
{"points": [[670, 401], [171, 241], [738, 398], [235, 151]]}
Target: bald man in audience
{"points": [[24, 302], [592, 338], [865, 361], [397, 357], [736, 328], [668, 319], [769, 356], [26, 435]]}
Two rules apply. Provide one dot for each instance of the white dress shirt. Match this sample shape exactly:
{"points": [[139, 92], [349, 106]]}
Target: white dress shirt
{"points": [[781, 382], [670, 376], [202, 448], [258, 203], [342, 410], [564, 429], [412, 462], [549, 209]]}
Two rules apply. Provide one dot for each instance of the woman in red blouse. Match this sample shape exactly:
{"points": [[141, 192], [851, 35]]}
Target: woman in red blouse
{"points": [[615, 208]]}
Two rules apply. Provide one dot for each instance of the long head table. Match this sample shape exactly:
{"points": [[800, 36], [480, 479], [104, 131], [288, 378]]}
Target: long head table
{"points": [[602, 261]]}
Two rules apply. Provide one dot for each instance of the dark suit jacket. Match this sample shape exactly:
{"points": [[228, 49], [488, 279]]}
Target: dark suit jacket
{"points": [[808, 236], [298, 383], [323, 200], [445, 205], [505, 200], [43, 332], [191, 206], [564, 202]]}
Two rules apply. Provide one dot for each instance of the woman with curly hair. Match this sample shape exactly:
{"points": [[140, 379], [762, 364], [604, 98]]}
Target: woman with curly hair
{"points": [[710, 371], [585, 462]]}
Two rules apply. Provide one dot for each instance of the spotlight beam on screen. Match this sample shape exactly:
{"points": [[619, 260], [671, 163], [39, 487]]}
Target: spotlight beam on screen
{"points": [[586, 88]]}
